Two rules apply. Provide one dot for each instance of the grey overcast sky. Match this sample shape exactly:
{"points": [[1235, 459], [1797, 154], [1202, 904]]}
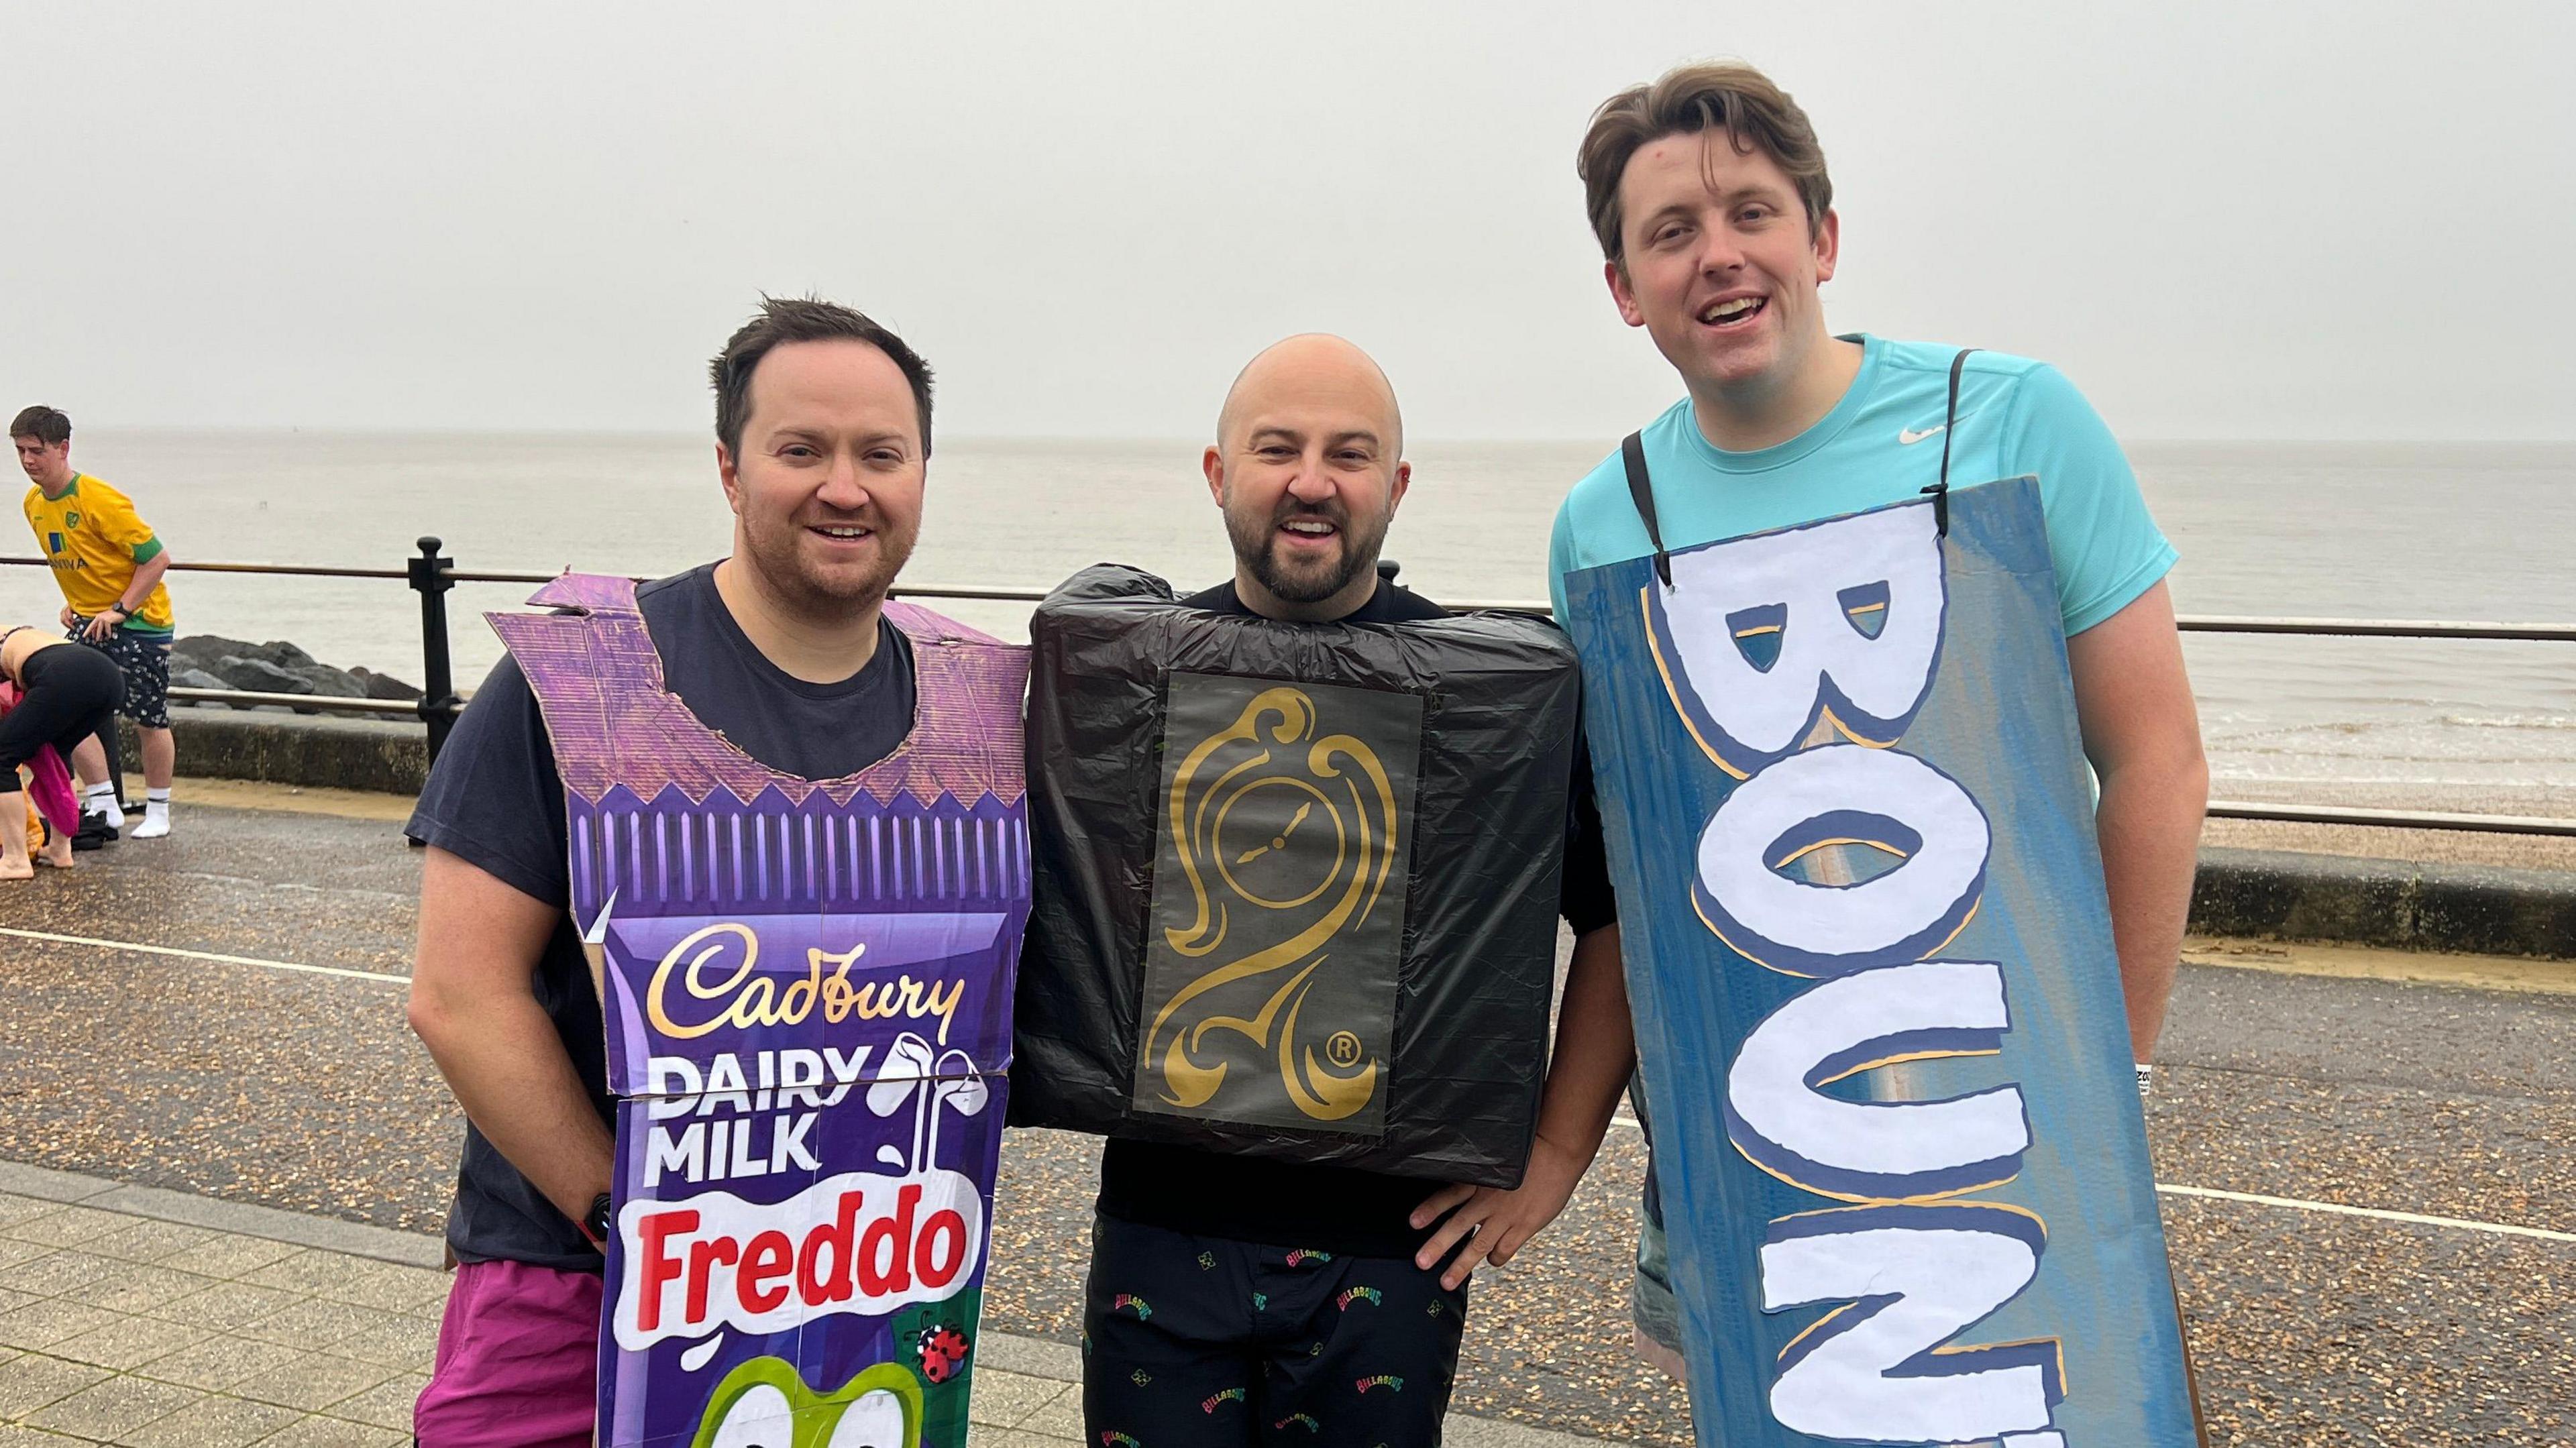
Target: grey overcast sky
{"points": [[2352, 220]]}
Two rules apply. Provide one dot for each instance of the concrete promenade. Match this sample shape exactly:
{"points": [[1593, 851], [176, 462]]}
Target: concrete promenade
{"points": [[156, 1319], [2368, 1198]]}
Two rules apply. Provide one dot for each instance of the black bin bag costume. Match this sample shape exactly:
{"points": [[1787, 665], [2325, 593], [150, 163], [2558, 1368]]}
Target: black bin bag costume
{"points": [[1296, 884]]}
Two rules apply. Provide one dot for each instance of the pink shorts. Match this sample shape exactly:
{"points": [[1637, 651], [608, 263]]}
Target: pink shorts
{"points": [[518, 1361]]}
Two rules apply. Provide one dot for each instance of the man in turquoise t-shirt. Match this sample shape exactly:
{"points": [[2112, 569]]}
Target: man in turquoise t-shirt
{"points": [[1714, 210]]}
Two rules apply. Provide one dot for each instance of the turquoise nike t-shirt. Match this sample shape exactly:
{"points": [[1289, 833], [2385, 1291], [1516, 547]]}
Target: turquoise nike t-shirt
{"points": [[1882, 444]]}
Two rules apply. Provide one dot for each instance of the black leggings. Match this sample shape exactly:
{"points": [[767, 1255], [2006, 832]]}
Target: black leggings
{"points": [[66, 693]]}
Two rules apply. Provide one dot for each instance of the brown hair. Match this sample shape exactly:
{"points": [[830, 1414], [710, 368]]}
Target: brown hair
{"points": [[803, 319], [45, 424], [1723, 95]]}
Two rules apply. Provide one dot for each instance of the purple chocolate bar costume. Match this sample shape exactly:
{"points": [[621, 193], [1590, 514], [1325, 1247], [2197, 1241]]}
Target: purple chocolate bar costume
{"points": [[807, 991]]}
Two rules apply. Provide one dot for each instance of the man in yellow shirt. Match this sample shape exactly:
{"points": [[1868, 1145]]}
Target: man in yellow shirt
{"points": [[109, 564]]}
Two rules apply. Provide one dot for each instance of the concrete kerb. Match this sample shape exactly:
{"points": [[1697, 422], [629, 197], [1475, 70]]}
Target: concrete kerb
{"points": [[295, 1229], [1004, 1352], [2394, 904]]}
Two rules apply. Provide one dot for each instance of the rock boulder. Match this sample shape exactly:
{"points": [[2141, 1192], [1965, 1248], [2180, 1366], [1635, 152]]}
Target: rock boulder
{"points": [[383, 686], [260, 676]]}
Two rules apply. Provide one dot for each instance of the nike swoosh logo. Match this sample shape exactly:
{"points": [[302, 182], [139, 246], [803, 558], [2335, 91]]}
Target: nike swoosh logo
{"points": [[1908, 437]]}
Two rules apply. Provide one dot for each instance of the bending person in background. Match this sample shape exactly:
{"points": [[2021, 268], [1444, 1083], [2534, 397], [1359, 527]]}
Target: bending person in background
{"points": [[62, 695], [109, 563]]}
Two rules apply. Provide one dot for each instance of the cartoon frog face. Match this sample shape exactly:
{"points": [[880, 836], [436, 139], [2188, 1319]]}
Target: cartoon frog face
{"points": [[765, 1404]]}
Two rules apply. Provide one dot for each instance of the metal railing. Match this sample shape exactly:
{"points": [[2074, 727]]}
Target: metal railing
{"points": [[432, 574]]}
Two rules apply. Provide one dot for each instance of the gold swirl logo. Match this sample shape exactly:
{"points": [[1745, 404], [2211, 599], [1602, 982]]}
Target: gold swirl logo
{"points": [[1285, 840]]}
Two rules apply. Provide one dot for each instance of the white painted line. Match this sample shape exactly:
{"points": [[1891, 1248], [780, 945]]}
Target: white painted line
{"points": [[207, 955], [2338, 1209], [2295, 1204], [1617, 1119]]}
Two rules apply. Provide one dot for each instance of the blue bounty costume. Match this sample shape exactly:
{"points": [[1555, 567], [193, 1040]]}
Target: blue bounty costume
{"points": [[1880, 1027]]}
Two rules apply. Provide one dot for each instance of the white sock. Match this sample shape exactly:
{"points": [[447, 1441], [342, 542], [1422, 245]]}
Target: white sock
{"points": [[156, 815], [100, 798]]}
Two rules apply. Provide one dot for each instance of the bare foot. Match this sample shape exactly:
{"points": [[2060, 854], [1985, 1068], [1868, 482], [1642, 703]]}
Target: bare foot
{"points": [[16, 870], [53, 862]]}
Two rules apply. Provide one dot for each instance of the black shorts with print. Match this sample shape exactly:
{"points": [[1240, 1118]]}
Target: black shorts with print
{"points": [[144, 659], [1206, 1342]]}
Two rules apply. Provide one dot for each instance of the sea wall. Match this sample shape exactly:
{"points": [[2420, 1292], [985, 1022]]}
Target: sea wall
{"points": [[2274, 894], [2397, 904], [314, 751]]}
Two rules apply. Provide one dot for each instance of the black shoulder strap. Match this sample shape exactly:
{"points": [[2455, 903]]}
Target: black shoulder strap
{"points": [[1641, 491], [1940, 491]]}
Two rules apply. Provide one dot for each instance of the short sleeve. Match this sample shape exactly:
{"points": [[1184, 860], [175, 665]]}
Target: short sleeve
{"points": [[1586, 899], [2106, 546], [1560, 558], [493, 799], [117, 522]]}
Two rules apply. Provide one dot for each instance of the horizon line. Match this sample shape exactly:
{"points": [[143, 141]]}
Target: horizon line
{"points": [[703, 434]]}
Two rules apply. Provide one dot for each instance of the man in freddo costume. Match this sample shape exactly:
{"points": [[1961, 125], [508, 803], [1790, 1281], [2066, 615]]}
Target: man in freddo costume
{"points": [[1857, 617], [1303, 842], [726, 880]]}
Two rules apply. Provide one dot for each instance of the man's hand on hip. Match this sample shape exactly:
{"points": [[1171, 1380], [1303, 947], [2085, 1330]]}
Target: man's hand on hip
{"points": [[1502, 1221]]}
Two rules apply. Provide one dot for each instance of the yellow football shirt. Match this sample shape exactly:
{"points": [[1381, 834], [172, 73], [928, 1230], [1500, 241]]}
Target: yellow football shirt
{"points": [[93, 538]]}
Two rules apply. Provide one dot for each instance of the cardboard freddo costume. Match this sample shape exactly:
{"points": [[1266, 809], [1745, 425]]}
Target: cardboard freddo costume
{"points": [[1879, 1020], [1297, 883], [807, 992]]}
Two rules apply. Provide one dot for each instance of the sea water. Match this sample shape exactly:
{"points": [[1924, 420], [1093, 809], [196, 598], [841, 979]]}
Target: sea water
{"points": [[2356, 530]]}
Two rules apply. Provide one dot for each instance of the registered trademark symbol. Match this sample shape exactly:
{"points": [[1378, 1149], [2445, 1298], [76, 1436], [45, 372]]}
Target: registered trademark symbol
{"points": [[1343, 1049]]}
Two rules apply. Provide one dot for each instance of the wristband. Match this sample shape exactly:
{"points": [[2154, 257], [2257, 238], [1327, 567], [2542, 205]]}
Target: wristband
{"points": [[594, 1223]]}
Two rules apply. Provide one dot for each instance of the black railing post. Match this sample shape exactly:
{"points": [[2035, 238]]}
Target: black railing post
{"points": [[438, 688]]}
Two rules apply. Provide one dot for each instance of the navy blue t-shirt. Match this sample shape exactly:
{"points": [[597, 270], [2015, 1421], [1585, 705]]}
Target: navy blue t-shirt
{"points": [[495, 801]]}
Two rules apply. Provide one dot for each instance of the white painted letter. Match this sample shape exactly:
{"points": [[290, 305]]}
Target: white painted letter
{"points": [[1906, 1280], [686, 1156], [1853, 608], [1878, 1150], [675, 1087], [1842, 792]]}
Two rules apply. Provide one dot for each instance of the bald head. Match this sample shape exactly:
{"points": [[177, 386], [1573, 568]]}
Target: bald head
{"points": [[1312, 372], [1308, 467]]}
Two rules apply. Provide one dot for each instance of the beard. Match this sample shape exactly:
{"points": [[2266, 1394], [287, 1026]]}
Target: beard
{"points": [[777, 550], [1256, 547]]}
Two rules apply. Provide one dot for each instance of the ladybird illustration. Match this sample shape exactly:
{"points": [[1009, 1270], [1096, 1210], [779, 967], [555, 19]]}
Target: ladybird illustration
{"points": [[943, 1348]]}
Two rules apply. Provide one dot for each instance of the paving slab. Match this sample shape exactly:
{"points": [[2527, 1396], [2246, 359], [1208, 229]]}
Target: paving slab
{"points": [[272, 1340]]}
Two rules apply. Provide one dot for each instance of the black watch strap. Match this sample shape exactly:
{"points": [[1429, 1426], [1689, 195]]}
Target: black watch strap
{"points": [[594, 1223]]}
